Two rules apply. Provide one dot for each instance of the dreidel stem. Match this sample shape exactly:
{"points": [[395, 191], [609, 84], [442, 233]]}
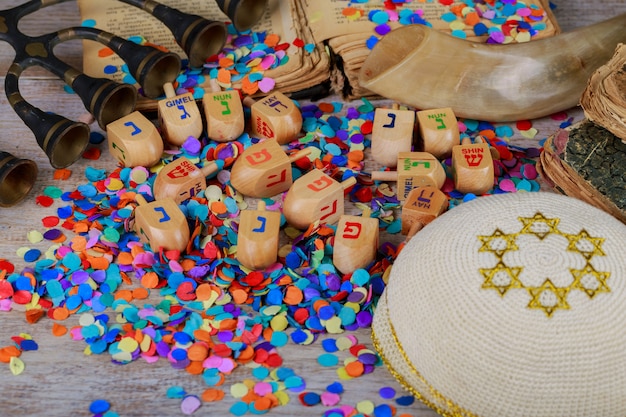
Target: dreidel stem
{"points": [[415, 227], [384, 175], [209, 169], [169, 90], [300, 154], [140, 199]]}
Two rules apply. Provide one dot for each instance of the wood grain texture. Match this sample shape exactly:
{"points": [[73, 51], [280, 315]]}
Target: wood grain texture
{"points": [[59, 380]]}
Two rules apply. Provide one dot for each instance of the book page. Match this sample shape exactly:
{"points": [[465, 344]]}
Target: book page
{"points": [[127, 21], [332, 18]]}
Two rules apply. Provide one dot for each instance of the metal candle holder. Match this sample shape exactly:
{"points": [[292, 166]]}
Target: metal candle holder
{"points": [[64, 140]]}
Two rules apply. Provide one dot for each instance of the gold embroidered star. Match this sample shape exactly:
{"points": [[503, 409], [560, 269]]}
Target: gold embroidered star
{"points": [[586, 245], [501, 278], [548, 297], [498, 243], [582, 277], [539, 225]]}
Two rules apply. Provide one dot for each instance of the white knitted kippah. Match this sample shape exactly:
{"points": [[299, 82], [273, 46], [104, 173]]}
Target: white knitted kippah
{"points": [[511, 305]]}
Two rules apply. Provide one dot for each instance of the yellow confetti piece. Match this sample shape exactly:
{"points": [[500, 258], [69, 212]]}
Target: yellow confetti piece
{"points": [[365, 407], [523, 37], [343, 374], [22, 251], [530, 133], [128, 344], [279, 323], [115, 184], [343, 343], [34, 236], [239, 390], [282, 397], [16, 365], [457, 25], [333, 325]]}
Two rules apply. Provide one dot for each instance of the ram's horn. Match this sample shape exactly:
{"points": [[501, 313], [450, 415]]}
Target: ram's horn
{"points": [[425, 68]]}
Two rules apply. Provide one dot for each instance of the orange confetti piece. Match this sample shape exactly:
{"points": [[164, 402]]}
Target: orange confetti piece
{"points": [[105, 52], [263, 403], [355, 368], [58, 329], [62, 174], [198, 351], [125, 258], [272, 39], [140, 293], [472, 19], [293, 295], [219, 207], [60, 313], [226, 62], [195, 368], [126, 295], [99, 263], [33, 315], [249, 87], [204, 292], [326, 107], [150, 279], [223, 76], [8, 352], [211, 395]]}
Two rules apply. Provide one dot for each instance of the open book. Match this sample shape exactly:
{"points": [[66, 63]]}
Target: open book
{"points": [[334, 33]]}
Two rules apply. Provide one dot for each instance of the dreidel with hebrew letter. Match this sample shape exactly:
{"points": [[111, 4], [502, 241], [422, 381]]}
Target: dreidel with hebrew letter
{"points": [[181, 179], [392, 133], [257, 237], [315, 197], [356, 242], [223, 111], [179, 116], [161, 224], [422, 206], [275, 117], [264, 169], [472, 167], [134, 140], [439, 131], [414, 169]]}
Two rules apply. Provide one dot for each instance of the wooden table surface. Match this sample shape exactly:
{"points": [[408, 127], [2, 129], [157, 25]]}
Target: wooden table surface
{"points": [[59, 380]]}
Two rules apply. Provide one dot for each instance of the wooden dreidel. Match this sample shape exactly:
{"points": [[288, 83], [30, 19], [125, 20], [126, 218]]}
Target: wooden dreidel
{"points": [[161, 224], [181, 179], [439, 131], [392, 133], [472, 167], [422, 205], [179, 116], [275, 117], [356, 242], [264, 169], [415, 169], [134, 140], [223, 111], [257, 237], [315, 197]]}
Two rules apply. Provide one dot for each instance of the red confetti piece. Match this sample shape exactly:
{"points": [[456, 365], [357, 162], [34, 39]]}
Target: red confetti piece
{"points": [[50, 221], [6, 290], [524, 124], [366, 127], [6, 266], [298, 42], [44, 200], [92, 154]]}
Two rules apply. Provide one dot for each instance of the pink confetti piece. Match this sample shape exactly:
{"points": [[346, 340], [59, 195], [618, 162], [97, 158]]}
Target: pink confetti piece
{"points": [[267, 84]]}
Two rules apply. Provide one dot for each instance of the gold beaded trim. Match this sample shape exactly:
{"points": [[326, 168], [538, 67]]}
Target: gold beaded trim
{"points": [[443, 406], [547, 297]]}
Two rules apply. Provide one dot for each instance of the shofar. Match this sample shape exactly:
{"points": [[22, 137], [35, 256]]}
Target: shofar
{"points": [[604, 99], [421, 67]]}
